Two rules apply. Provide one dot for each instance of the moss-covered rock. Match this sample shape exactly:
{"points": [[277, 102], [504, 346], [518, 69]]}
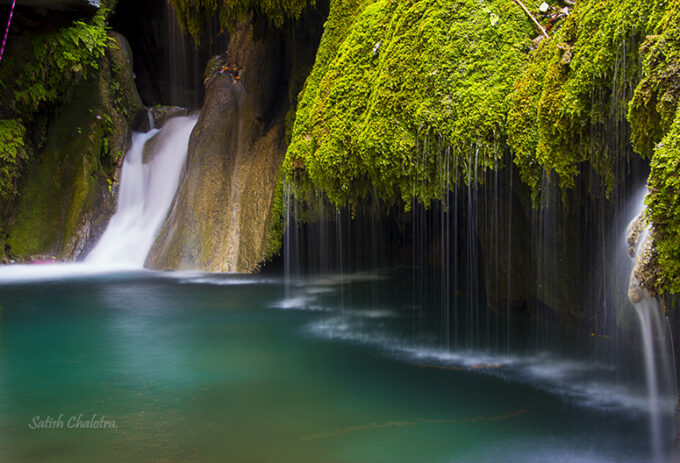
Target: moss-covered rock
{"points": [[393, 76], [408, 98], [663, 202], [655, 118], [653, 107], [65, 194], [193, 15], [570, 105]]}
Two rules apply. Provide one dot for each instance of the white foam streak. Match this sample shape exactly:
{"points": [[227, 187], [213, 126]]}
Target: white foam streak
{"points": [[570, 378], [25, 273]]}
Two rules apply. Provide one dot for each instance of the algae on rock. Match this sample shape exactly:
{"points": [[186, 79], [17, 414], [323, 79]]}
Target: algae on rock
{"points": [[64, 196]]}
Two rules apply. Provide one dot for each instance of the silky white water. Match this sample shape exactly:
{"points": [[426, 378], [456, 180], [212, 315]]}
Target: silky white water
{"points": [[146, 193], [657, 346]]}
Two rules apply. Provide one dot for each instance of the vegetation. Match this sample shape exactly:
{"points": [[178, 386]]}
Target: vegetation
{"points": [[570, 104], [409, 97], [12, 153], [664, 207], [653, 107], [59, 60], [49, 67], [193, 15], [405, 97], [655, 113]]}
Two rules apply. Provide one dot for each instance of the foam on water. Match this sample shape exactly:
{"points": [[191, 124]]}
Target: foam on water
{"points": [[585, 382], [26, 273], [578, 380], [224, 280]]}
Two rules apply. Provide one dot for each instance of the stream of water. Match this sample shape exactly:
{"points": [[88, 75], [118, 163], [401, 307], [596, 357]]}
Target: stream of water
{"points": [[149, 178]]}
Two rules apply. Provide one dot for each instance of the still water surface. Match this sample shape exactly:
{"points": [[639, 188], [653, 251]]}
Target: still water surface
{"points": [[224, 368]]}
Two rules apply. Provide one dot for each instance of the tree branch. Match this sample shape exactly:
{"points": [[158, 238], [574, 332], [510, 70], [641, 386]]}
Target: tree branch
{"points": [[519, 2]]}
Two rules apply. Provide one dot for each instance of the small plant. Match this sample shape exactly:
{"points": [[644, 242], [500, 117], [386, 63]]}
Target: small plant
{"points": [[12, 155], [193, 15], [56, 62]]}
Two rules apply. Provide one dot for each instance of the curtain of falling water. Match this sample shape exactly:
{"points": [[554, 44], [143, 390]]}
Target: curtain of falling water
{"points": [[186, 62], [463, 264]]}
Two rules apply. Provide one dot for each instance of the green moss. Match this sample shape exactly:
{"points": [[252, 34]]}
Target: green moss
{"points": [[274, 237], [573, 96], [407, 98], [56, 191], [654, 114], [663, 204], [12, 155], [58, 60], [654, 104], [398, 87], [38, 78], [193, 15]]}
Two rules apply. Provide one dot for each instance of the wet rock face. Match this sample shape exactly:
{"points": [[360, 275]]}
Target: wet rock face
{"points": [[505, 258], [641, 248], [638, 244], [65, 196], [635, 231], [528, 253], [161, 114], [222, 210]]}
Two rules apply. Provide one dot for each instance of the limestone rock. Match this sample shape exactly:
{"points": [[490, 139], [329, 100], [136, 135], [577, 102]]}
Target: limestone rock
{"points": [[642, 249], [222, 210], [634, 234], [161, 114]]}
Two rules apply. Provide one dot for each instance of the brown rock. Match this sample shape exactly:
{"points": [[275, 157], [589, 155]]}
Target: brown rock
{"points": [[222, 211]]}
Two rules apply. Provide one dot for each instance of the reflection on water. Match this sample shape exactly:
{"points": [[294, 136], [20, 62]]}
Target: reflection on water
{"points": [[196, 367]]}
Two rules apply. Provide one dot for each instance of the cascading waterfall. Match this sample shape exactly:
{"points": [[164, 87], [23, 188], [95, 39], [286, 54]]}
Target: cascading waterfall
{"points": [[149, 179], [657, 346]]}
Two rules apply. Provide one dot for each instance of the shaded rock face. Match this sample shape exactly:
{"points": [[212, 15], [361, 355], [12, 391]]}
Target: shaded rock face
{"points": [[168, 66], [559, 259], [503, 228], [642, 249], [222, 211], [44, 15], [160, 114], [65, 198]]}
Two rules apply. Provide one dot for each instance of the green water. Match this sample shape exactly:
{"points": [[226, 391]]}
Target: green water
{"points": [[213, 369]]}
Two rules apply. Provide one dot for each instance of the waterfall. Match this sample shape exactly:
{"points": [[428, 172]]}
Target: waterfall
{"points": [[657, 346], [483, 279], [149, 180]]}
